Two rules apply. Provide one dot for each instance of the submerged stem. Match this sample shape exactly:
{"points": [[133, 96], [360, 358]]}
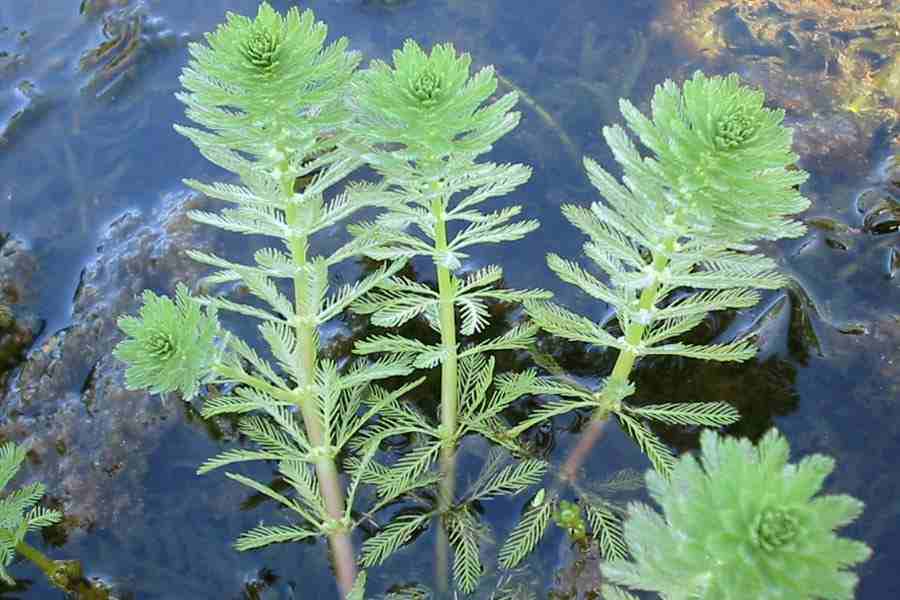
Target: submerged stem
{"points": [[40, 560]]}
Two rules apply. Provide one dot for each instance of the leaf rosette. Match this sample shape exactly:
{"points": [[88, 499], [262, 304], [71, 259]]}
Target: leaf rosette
{"points": [[722, 160], [430, 105], [742, 523], [264, 86], [171, 345]]}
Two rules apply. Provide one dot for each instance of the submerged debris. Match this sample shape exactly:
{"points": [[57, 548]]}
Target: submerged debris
{"points": [[854, 45], [130, 35]]}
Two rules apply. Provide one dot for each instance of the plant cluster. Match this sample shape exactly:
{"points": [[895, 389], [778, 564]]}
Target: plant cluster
{"points": [[292, 118]]}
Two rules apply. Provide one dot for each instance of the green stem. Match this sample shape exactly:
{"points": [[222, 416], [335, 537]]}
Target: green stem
{"points": [[306, 399], [41, 560], [635, 332], [57, 572], [449, 399], [621, 372]]}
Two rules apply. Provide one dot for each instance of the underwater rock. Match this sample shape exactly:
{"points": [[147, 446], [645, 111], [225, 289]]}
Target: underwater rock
{"points": [[782, 88], [17, 269], [18, 325], [833, 142], [130, 36], [17, 102], [31, 106], [829, 140], [578, 576], [89, 436], [16, 336]]}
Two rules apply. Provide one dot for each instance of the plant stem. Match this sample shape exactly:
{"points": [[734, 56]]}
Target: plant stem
{"points": [[567, 142], [449, 400], [307, 350], [56, 572], [620, 373], [39, 559]]}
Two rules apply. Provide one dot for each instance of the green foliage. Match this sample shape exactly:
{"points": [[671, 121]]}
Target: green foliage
{"points": [[464, 533], [422, 123], [267, 95], [606, 528], [611, 592], [724, 157], [408, 476], [674, 243], [430, 105], [742, 523], [292, 119], [526, 535], [270, 93], [19, 513], [595, 516], [266, 88], [171, 346], [569, 518], [609, 399], [392, 536]]}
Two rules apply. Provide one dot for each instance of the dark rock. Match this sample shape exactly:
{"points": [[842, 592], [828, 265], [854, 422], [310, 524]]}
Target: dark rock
{"points": [[18, 325]]}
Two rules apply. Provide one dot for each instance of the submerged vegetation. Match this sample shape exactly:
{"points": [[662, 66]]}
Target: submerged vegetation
{"points": [[20, 514], [675, 239]]}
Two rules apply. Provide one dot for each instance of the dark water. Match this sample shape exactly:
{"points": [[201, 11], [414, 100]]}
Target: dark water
{"points": [[88, 135]]}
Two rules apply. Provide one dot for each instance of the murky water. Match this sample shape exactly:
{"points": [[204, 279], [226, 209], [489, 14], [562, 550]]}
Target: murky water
{"points": [[86, 108]]}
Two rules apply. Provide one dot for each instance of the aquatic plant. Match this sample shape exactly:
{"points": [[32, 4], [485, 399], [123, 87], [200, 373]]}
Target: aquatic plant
{"points": [[20, 514], [421, 123], [267, 94], [740, 523], [293, 119], [675, 242], [171, 345]]}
